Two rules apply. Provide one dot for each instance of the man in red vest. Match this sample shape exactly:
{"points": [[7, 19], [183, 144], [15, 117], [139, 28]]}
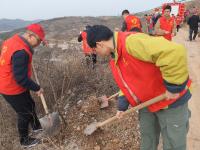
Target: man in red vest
{"points": [[145, 67], [89, 53], [131, 22], [166, 25], [15, 80]]}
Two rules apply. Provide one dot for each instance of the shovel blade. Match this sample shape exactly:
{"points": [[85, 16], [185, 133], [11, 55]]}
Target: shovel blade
{"points": [[103, 100], [90, 129], [50, 124], [104, 104]]}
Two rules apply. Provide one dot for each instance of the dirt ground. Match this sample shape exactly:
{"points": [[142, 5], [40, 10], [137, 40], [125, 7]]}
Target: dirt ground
{"points": [[194, 103]]}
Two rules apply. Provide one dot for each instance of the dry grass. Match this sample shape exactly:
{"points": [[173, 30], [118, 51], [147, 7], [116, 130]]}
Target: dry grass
{"points": [[66, 80]]}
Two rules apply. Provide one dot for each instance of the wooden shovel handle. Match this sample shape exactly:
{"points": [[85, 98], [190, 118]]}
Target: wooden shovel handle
{"points": [[113, 96], [138, 107], [41, 96]]}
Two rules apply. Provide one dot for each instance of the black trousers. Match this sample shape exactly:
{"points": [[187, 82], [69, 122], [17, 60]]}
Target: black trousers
{"points": [[94, 58], [191, 36], [178, 27], [24, 106]]}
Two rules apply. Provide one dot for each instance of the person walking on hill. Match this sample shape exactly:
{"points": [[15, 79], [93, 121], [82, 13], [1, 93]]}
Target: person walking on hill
{"points": [[193, 25], [15, 80], [148, 67]]}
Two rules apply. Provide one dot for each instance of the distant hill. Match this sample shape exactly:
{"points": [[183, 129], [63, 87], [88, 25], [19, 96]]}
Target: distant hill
{"points": [[66, 28], [9, 24]]}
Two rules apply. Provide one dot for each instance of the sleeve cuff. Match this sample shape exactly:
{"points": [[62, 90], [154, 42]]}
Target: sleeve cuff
{"points": [[174, 88], [35, 87], [122, 103]]}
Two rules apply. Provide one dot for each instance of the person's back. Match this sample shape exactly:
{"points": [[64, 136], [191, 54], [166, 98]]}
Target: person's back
{"points": [[131, 22]]}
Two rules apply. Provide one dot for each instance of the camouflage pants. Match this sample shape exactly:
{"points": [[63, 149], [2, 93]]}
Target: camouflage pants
{"points": [[172, 124]]}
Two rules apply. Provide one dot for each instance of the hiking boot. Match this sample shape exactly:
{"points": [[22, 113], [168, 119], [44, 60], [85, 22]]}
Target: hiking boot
{"points": [[30, 142]]}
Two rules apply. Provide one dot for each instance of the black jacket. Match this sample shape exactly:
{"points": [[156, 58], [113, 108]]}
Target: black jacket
{"points": [[20, 61], [193, 21]]}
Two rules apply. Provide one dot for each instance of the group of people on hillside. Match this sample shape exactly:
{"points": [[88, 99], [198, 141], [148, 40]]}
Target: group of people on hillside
{"points": [[158, 25], [143, 67], [166, 25], [191, 17]]}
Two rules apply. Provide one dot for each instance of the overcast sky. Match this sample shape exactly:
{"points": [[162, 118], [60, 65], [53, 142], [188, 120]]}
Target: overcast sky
{"points": [[45, 9]]}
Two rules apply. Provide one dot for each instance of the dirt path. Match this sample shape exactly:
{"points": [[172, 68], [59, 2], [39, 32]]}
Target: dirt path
{"points": [[194, 65]]}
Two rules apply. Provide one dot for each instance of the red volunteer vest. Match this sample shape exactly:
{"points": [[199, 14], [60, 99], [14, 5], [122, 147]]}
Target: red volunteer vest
{"points": [[132, 22], [167, 25], [8, 85], [141, 78], [86, 48], [178, 20]]}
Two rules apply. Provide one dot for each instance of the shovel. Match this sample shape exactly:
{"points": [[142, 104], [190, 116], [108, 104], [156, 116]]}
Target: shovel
{"points": [[90, 129], [51, 121], [104, 101]]}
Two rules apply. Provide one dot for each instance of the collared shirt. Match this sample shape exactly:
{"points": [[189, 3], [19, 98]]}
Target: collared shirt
{"points": [[27, 43]]}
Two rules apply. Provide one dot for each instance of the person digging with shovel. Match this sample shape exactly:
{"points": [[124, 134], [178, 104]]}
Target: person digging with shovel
{"points": [[15, 80], [145, 67]]}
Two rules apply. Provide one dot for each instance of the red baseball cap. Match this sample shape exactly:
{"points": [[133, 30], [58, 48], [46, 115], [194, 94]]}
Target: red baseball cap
{"points": [[38, 30]]}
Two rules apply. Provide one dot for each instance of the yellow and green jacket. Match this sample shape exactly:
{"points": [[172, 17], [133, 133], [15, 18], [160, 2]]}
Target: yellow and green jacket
{"points": [[169, 56]]}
